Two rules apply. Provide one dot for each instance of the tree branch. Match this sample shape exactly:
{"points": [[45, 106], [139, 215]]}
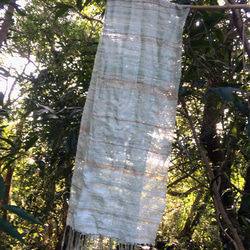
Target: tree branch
{"points": [[17, 31], [83, 16], [240, 26], [189, 175], [177, 181], [185, 194], [215, 188], [221, 7]]}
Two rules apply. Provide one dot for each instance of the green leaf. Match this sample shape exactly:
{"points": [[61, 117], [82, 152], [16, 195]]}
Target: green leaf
{"points": [[62, 9], [9, 229], [21, 12], [214, 223], [49, 117], [1, 98], [30, 142], [63, 5], [79, 4], [4, 1], [4, 112], [225, 92], [239, 66], [75, 112], [2, 148], [48, 108], [58, 194], [241, 106], [228, 94], [8, 141], [87, 2], [40, 112], [55, 132], [206, 133], [71, 142], [41, 166], [248, 129], [4, 72], [2, 188], [200, 44], [21, 213], [244, 221]]}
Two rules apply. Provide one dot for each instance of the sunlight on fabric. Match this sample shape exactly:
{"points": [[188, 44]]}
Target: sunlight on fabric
{"points": [[119, 182]]}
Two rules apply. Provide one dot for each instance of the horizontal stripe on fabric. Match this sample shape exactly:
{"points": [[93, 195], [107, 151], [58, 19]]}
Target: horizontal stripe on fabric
{"points": [[89, 90], [164, 131], [152, 63], [144, 39], [157, 82], [85, 129], [91, 100], [147, 175], [148, 221], [120, 145], [138, 87], [77, 185], [133, 121], [149, 194]]}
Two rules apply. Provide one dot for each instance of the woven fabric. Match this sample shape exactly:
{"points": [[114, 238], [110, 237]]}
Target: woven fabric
{"points": [[120, 176]]}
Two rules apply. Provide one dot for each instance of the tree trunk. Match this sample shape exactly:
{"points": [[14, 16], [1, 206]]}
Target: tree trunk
{"points": [[211, 141], [221, 164], [7, 192], [6, 23], [186, 231], [244, 211]]}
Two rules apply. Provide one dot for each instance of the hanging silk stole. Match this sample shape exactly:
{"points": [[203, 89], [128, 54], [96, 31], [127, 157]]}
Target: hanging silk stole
{"points": [[118, 192]]}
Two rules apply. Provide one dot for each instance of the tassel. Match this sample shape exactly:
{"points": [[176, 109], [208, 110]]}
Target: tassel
{"points": [[84, 242], [110, 244], [100, 243], [64, 236], [73, 240], [78, 241], [70, 240]]}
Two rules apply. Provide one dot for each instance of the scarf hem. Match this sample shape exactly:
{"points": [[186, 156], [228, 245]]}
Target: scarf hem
{"points": [[74, 240]]}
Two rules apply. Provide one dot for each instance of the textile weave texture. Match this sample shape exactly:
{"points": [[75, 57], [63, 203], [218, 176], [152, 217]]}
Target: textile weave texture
{"points": [[119, 182]]}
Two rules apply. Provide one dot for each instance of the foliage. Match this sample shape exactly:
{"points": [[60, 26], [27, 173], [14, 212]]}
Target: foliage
{"points": [[39, 130], [38, 150], [211, 148], [8, 227]]}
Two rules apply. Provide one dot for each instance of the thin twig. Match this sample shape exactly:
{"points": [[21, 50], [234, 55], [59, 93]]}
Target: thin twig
{"points": [[239, 26], [220, 7], [184, 194], [17, 31], [196, 58], [86, 17], [217, 216], [183, 171]]}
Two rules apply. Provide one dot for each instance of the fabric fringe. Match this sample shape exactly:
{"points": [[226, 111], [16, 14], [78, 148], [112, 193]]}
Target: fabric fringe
{"points": [[73, 240]]}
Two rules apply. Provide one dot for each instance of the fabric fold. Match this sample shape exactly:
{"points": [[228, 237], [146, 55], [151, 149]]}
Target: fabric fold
{"points": [[118, 187]]}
